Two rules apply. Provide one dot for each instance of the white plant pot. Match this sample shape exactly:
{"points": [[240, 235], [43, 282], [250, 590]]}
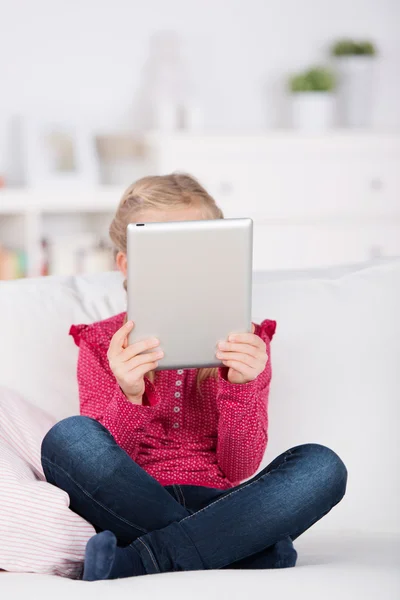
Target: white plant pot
{"points": [[3, 146], [312, 111], [355, 91]]}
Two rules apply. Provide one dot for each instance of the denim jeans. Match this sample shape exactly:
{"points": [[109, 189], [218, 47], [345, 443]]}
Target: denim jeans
{"points": [[190, 527]]}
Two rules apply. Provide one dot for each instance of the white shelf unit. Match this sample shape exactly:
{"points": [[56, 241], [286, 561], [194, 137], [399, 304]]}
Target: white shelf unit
{"points": [[315, 200], [27, 215]]}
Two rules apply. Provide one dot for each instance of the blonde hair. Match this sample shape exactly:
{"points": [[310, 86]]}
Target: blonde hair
{"points": [[162, 192]]}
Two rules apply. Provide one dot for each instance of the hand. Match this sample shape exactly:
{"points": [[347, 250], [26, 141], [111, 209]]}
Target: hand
{"points": [[245, 355], [129, 365]]}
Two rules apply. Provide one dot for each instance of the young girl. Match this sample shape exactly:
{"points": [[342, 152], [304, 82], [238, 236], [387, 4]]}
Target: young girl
{"points": [[156, 458]]}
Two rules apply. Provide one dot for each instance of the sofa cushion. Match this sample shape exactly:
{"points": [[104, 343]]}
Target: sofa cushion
{"points": [[336, 380], [335, 363], [38, 357], [329, 567]]}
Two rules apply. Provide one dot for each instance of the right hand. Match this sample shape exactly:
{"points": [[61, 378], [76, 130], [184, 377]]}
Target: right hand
{"points": [[127, 363]]}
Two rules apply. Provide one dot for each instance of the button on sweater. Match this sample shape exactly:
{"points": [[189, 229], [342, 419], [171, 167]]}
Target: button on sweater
{"points": [[212, 435]]}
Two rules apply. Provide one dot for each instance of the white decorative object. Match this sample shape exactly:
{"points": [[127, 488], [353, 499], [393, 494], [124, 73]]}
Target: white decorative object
{"points": [[66, 252], [355, 91], [166, 80], [58, 152], [97, 259], [168, 86], [312, 111], [193, 117]]}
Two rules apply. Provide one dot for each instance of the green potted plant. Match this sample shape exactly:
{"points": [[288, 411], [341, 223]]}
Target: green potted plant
{"points": [[355, 66], [312, 98], [348, 47]]}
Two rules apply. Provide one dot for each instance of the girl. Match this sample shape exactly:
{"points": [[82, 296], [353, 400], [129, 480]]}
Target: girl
{"points": [[155, 459]]}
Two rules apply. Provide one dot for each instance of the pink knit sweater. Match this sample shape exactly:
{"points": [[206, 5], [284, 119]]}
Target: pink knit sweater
{"points": [[215, 437]]}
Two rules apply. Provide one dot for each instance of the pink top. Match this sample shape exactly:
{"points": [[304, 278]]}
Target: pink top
{"points": [[215, 437]]}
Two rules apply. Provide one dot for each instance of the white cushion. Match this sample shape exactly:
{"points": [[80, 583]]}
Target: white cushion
{"points": [[335, 360], [38, 357], [329, 567], [336, 380]]}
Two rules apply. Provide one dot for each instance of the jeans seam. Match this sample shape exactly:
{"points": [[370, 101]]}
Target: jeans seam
{"points": [[150, 553], [288, 452], [44, 459], [183, 497], [193, 544], [178, 499]]}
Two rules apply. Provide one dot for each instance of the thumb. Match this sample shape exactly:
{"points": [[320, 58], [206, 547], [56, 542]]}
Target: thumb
{"points": [[125, 343]]}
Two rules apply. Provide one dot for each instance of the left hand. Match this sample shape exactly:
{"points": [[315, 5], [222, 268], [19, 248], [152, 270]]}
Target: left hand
{"points": [[245, 355]]}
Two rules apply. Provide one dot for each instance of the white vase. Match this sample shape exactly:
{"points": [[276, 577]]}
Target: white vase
{"points": [[166, 115], [312, 111], [355, 90]]}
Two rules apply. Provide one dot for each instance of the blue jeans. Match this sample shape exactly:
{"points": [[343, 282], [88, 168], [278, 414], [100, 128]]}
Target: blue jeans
{"points": [[189, 527]]}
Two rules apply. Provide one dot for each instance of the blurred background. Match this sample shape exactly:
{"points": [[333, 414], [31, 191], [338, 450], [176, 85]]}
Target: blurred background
{"points": [[288, 112]]}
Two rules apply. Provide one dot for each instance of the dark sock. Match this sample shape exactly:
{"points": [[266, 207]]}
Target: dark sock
{"points": [[127, 563], [284, 553], [105, 560], [279, 556]]}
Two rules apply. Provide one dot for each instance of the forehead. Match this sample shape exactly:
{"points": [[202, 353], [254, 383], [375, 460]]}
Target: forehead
{"points": [[184, 213]]}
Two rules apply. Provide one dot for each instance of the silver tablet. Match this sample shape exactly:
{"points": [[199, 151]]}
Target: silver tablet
{"points": [[189, 285]]}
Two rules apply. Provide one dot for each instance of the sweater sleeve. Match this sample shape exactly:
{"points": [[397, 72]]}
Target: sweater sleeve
{"points": [[102, 399], [243, 417]]}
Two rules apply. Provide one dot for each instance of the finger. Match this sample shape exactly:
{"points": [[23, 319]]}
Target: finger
{"points": [[137, 361], [117, 340], [245, 359], [140, 371], [247, 338], [138, 347], [253, 328], [241, 368], [125, 343], [143, 359], [238, 347]]}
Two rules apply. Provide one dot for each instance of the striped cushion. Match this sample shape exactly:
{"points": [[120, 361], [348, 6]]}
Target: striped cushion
{"points": [[38, 532]]}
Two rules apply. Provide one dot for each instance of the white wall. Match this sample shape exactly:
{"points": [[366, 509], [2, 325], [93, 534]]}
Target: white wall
{"points": [[84, 57]]}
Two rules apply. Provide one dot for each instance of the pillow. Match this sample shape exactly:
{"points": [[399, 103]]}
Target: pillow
{"points": [[35, 317], [336, 381], [38, 531]]}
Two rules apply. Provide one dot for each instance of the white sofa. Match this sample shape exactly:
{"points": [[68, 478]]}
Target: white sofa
{"points": [[336, 381]]}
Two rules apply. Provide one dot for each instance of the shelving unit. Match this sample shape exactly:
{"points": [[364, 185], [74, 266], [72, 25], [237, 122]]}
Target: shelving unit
{"points": [[315, 200], [26, 216], [92, 199]]}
